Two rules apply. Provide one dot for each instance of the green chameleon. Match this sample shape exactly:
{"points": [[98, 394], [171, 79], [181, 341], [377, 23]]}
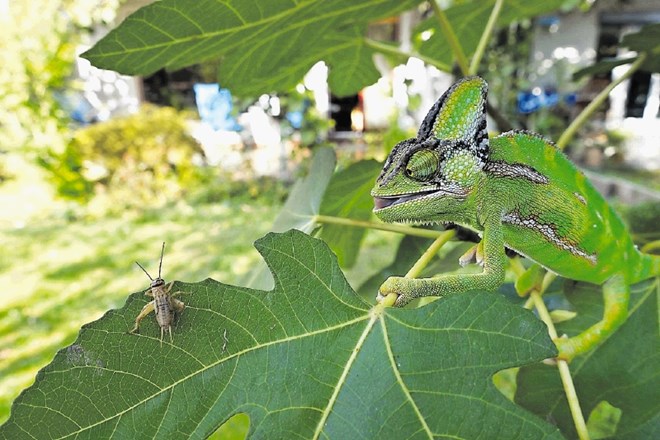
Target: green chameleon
{"points": [[517, 191]]}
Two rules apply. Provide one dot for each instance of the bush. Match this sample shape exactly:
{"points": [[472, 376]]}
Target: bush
{"points": [[142, 158]]}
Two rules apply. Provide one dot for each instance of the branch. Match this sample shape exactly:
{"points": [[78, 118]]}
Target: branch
{"points": [[578, 122], [562, 366], [428, 255]]}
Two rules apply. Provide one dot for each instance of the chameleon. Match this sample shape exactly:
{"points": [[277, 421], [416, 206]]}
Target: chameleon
{"points": [[517, 191]]}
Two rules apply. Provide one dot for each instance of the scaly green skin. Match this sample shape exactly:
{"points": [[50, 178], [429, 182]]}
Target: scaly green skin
{"points": [[518, 191]]}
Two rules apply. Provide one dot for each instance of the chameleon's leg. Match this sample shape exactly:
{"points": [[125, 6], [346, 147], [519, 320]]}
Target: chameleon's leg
{"points": [[148, 308], [492, 276], [616, 294]]}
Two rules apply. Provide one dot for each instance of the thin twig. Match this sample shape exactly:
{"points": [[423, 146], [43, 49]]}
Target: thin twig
{"points": [[582, 118], [564, 371], [485, 36], [428, 255], [450, 35]]}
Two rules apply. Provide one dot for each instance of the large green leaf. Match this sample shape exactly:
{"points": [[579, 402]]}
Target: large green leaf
{"points": [[468, 20], [623, 371], [348, 196], [309, 359], [264, 45]]}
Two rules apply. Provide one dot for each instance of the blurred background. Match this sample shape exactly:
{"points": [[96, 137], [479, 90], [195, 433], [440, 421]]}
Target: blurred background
{"points": [[97, 169]]}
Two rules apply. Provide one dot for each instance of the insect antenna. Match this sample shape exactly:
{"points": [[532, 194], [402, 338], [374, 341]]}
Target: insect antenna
{"points": [[145, 270], [160, 265]]}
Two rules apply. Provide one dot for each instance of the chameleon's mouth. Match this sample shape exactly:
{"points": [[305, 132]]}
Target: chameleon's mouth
{"points": [[387, 201]]}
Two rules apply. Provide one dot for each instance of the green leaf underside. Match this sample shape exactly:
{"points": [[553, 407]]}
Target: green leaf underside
{"points": [[264, 45], [306, 360], [630, 382], [463, 17], [348, 196], [602, 67], [647, 40], [303, 203]]}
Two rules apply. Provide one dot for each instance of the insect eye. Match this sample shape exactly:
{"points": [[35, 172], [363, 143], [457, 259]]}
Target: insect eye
{"points": [[423, 164]]}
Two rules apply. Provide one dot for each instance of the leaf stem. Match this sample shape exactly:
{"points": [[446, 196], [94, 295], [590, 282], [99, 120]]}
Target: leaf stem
{"points": [[562, 366], [408, 230], [428, 255], [582, 118], [388, 48], [651, 246], [485, 36], [450, 35]]}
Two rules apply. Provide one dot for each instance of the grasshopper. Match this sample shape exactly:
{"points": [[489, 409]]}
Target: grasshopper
{"points": [[163, 303]]}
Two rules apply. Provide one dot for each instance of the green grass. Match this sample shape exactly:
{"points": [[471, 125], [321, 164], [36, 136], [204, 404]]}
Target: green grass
{"points": [[57, 275]]}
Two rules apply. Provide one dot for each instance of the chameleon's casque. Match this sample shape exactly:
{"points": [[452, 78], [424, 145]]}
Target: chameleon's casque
{"points": [[517, 190]]}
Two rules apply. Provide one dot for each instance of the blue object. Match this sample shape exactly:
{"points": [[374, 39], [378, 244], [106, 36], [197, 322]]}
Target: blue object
{"points": [[548, 20], [214, 106], [529, 102], [295, 118]]}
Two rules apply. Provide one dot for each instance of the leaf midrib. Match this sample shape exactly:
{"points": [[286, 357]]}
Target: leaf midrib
{"points": [[342, 379]]}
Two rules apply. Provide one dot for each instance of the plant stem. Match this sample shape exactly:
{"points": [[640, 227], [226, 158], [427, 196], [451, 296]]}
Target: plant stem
{"points": [[428, 255], [408, 230], [649, 247], [450, 35], [387, 48], [485, 36], [582, 118], [564, 371]]}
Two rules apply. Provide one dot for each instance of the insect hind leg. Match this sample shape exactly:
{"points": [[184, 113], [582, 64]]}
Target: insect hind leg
{"points": [[148, 308]]}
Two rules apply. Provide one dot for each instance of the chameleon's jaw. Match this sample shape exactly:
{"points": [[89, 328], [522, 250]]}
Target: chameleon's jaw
{"points": [[389, 203]]}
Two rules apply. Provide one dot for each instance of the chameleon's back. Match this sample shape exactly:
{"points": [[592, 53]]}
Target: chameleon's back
{"points": [[554, 215]]}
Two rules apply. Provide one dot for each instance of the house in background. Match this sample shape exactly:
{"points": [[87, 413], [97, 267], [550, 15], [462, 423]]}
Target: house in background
{"points": [[579, 39]]}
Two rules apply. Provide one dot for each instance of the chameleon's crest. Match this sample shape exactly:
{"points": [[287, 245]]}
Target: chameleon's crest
{"points": [[460, 115], [454, 128]]}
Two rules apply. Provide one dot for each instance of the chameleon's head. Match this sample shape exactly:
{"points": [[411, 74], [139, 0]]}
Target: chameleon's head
{"points": [[430, 178]]}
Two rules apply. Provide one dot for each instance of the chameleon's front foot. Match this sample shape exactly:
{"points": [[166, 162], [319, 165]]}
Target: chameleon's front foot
{"points": [[566, 348], [392, 285]]}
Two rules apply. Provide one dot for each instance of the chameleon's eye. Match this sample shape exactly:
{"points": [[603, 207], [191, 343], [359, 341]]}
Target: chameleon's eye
{"points": [[423, 164]]}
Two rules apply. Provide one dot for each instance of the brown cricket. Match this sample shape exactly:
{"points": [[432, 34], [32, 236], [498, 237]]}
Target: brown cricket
{"points": [[163, 303]]}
